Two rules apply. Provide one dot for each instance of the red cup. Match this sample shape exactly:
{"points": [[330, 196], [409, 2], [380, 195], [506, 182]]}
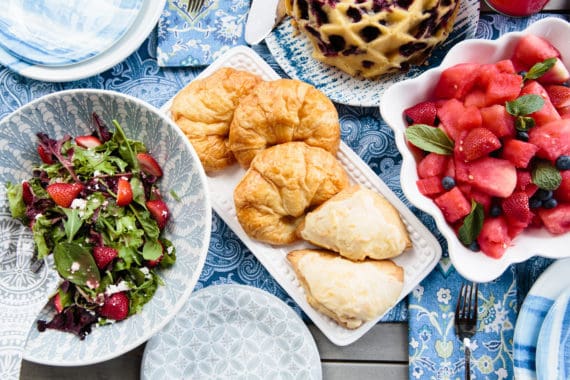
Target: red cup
{"points": [[517, 8]]}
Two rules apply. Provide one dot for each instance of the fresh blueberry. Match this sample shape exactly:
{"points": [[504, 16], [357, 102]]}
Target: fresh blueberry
{"points": [[550, 203], [543, 195], [522, 135], [495, 210], [474, 246], [534, 202], [448, 182], [563, 163]]}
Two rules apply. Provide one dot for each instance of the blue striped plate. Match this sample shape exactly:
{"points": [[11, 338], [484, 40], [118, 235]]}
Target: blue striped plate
{"points": [[64, 32], [532, 317]]}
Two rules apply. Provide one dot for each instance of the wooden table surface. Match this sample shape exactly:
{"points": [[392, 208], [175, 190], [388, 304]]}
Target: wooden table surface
{"points": [[380, 354]]}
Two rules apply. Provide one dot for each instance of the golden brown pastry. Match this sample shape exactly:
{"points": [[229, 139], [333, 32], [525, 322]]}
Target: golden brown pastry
{"points": [[349, 292], [357, 223], [280, 111], [368, 37], [204, 110], [281, 185]]}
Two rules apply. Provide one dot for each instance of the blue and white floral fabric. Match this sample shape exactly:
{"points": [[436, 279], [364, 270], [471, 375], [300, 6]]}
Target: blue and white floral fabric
{"points": [[198, 39]]}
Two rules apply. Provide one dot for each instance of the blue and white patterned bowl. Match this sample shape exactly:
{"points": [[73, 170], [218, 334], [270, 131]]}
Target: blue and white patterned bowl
{"points": [[69, 112], [64, 32], [475, 266]]}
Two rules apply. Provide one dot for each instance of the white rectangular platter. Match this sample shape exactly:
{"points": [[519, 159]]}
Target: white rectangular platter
{"points": [[417, 262]]}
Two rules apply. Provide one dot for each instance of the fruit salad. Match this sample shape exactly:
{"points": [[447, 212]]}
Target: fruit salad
{"points": [[94, 205], [493, 146]]}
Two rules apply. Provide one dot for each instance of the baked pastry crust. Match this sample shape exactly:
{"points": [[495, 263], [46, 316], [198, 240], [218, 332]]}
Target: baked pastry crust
{"points": [[368, 37], [281, 111], [281, 185], [204, 110], [349, 292], [357, 223]]}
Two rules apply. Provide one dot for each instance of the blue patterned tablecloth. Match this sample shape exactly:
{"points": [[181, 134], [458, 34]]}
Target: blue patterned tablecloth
{"points": [[434, 350]]}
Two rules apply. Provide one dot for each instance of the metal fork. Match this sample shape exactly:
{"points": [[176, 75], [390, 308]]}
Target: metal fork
{"points": [[194, 6], [466, 320]]}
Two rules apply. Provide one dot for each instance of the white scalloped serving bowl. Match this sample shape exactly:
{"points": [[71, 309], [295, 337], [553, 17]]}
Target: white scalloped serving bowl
{"points": [[474, 266]]}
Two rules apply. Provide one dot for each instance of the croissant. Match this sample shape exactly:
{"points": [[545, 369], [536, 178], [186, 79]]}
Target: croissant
{"points": [[280, 111], [349, 292], [281, 185], [204, 110], [357, 223]]}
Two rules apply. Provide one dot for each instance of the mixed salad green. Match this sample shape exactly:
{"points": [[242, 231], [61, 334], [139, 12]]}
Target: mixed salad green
{"points": [[94, 205]]}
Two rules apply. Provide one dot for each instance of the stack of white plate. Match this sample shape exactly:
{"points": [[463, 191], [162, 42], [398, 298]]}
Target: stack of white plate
{"points": [[65, 40], [542, 332]]}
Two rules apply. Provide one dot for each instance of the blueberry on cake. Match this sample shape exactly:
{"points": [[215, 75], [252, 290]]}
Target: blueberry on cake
{"points": [[367, 38]]}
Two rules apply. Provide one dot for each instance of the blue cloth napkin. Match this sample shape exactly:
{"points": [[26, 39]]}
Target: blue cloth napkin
{"points": [[435, 352], [197, 40]]}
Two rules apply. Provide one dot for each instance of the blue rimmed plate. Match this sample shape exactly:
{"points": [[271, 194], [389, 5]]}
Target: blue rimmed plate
{"points": [[233, 332], [539, 300], [293, 52]]}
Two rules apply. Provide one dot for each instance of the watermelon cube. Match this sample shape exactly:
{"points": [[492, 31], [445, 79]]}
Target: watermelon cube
{"points": [[431, 165], [494, 176], [518, 152], [455, 117], [547, 113], [494, 237], [456, 81], [503, 88], [430, 186], [531, 49], [557, 74], [552, 139], [563, 191], [556, 220], [496, 119], [476, 98], [524, 183], [453, 205]]}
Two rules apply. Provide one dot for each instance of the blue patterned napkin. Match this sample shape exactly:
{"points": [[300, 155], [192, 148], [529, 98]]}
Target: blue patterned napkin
{"points": [[197, 40], [435, 352]]}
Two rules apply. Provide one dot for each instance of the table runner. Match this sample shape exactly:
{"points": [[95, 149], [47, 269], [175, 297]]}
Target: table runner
{"points": [[434, 349]]}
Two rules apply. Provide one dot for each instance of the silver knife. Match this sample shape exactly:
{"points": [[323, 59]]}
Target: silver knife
{"points": [[263, 16]]}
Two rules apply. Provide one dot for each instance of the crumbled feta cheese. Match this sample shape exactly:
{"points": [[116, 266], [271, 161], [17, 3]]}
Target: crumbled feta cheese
{"points": [[79, 204], [96, 173], [170, 249], [74, 267], [38, 216], [120, 287]]}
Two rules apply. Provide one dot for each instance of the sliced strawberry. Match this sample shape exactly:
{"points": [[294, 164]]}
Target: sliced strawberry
{"points": [[149, 165], [45, 156], [27, 194], [159, 211], [124, 192], [57, 303], [559, 95], [88, 141], [479, 142], [63, 194], [421, 113], [517, 211], [104, 255], [116, 306]]}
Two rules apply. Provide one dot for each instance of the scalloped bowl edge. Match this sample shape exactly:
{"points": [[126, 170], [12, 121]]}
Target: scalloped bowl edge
{"points": [[474, 266]]}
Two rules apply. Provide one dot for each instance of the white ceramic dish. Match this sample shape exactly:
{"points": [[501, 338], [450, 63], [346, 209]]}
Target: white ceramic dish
{"points": [[69, 112], [233, 332], [141, 27], [417, 262], [475, 266], [63, 32], [293, 52], [553, 347], [539, 300]]}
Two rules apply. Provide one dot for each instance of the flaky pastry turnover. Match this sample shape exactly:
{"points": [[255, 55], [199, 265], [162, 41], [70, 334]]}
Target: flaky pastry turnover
{"points": [[347, 291], [204, 110], [281, 185], [281, 111], [357, 223]]}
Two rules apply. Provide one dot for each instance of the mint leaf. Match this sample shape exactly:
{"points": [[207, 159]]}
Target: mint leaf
{"points": [[524, 123], [539, 69], [472, 224], [546, 176], [525, 105], [76, 264], [430, 139]]}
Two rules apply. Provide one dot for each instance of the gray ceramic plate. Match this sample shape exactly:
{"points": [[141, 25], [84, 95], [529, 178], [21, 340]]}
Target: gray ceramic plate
{"points": [[233, 332]]}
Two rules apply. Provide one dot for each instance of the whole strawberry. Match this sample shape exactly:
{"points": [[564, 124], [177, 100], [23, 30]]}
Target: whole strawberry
{"points": [[116, 306]]}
